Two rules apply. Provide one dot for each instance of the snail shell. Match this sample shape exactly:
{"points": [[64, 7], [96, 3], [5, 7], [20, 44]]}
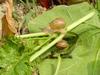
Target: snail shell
{"points": [[62, 44], [57, 24]]}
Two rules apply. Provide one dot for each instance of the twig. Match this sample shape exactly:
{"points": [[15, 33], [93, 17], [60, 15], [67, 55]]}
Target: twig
{"points": [[58, 65]]}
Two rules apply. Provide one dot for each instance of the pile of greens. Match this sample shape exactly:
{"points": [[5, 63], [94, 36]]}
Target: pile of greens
{"points": [[22, 56]]}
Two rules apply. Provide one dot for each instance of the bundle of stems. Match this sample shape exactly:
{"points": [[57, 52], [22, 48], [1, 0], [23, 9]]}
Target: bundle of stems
{"points": [[58, 38]]}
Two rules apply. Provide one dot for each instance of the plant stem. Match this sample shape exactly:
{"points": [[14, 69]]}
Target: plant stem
{"points": [[44, 49], [31, 35], [38, 47], [75, 24], [44, 43], [58, 65], [70, 27]]}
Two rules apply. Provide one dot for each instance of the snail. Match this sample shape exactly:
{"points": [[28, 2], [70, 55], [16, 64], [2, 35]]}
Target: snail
{"points": [[62, 44], [56, 25]]}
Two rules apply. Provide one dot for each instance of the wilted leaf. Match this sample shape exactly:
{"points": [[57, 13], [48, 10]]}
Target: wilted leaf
{"points": [[8, 27]]}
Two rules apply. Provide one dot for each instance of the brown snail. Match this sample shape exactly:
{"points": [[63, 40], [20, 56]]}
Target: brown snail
{"points": [[56, 25], [62, 44]]}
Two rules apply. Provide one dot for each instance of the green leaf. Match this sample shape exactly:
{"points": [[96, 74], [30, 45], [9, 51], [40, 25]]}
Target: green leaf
{"points": [[85, 55], [14, 59], [70, 14]]}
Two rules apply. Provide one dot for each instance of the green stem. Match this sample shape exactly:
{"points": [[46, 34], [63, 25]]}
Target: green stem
{"points": [[32, 35], [44, 49], [96, 61], [38, 47], [44, 43], [22, 2], [75, 24], [58, 65], [69, 28]]}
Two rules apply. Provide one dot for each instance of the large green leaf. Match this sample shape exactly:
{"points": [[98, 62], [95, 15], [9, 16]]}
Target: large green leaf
{"points": [[70, 14], [85, 56]]}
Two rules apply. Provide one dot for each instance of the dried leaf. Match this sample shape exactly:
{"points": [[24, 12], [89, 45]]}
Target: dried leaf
{"points": [[8, 27]]}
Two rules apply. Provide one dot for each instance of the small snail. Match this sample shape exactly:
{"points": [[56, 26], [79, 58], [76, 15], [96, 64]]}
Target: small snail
{"points": [[62, 44], [56, 25]]}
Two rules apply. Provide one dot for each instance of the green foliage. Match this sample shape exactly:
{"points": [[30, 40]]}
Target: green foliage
{"points": [[70, 15], [14, 55], [85, 55], [84, 40], [97, 4], [10, 59]]}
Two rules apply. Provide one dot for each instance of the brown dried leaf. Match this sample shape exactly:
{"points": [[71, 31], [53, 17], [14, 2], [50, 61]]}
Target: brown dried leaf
{"points": [[8, 27]]}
